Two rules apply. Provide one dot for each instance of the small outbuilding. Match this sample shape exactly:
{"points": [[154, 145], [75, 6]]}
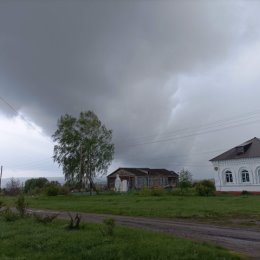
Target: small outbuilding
{"points": [[238, 169], [136, 178]]}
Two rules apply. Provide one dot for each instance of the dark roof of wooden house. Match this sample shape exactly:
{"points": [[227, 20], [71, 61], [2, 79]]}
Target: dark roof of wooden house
{"points": [[248, 149], [145, 171]]}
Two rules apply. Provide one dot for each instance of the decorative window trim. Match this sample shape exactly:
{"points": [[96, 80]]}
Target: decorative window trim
{"points": [[244, 176], [228, 177], [257, 174]]}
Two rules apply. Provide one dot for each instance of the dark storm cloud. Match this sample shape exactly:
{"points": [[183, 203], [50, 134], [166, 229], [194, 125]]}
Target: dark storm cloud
{"points": [[122, 59]]}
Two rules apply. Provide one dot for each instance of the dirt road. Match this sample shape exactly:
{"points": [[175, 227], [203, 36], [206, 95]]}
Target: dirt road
{"points": [[243, 240]]}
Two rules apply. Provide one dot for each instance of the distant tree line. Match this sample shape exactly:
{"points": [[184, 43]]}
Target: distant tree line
{"points": [[35, 186]]}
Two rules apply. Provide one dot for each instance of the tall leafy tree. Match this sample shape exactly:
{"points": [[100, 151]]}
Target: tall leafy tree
{"points": [[83, 147], [185, 180]]}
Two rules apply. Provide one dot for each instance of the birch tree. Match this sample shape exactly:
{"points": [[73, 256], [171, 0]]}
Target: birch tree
{"points": [[83, 147]]}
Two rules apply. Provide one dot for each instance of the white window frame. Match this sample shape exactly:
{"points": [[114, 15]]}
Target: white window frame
{"points": [[228, 177], [244, 176], [257, 175]]}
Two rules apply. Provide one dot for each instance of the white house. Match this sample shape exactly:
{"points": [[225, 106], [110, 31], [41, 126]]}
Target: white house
{"points": [[238, 169]]}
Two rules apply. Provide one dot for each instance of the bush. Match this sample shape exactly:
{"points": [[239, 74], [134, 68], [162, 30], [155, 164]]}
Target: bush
{"points": [[74, 222], [9, 215], [63, 190], [154, 191], [245, 192], [205, 188], [21, 205], [157, 191], [180, 192], [35, 185], [52, 188]]}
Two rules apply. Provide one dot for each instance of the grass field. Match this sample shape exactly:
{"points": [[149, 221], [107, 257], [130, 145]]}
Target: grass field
{"points": [[26, 239], [167, 206]]}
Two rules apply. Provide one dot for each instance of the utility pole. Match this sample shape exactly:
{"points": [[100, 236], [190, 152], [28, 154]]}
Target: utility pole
{"points": [[1, 172]]}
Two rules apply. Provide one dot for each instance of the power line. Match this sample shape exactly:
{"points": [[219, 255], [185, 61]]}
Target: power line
{"points": [[177, 137], [198, 127]]}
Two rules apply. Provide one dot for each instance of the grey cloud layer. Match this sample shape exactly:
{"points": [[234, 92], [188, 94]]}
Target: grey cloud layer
{"points": [[123, 60]]}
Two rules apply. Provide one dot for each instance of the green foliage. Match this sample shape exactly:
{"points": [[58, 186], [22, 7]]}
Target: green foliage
{"points": [[9, 215], [108, 227], [74, 222], [245, 192], [52, 189], [205, 188], [63, 190], [35, 185], [21, 205], [1, 204], [154, 191], [83, 147], [26, 239], [73, 185], [180, 192], [185, 180], [44, 219]]}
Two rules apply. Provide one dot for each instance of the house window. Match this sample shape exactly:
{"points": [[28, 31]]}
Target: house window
{"points": [[258, 175], [245, 176], [228, 176]]}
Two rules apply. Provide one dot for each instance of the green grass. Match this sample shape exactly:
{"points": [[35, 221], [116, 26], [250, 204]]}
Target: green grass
{"points": [[167, 206], [25, 239]]}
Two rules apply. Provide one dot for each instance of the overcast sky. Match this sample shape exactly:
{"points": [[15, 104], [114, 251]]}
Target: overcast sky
{"points": [[178, 82]]}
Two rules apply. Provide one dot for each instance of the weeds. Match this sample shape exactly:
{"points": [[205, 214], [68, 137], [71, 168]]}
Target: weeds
{"points": [[9, 215], [245, 192], [1, 204], [74, 222], [21, 205], [108, 227], [44, 219]]}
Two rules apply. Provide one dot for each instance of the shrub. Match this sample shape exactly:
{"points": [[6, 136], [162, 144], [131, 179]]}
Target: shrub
{"points": [[35, 185], [205, 188], [245, 192], [157, 191], [179, 192], [154, 191], [52, 188], [63, 190], [9, 215], [74, 222], [21, 205], [1, 204], [108, 227]]}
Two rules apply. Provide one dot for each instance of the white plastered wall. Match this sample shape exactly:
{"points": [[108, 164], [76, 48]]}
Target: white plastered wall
{"points": [[252, 165]]}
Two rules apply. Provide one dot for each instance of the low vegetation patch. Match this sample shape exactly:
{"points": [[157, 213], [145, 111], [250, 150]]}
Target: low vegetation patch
{"points": [[26, 239], [205, 188], [21, 205], [220, 208], [9, 215], [108, 227], [74, 222], [44, 219]]}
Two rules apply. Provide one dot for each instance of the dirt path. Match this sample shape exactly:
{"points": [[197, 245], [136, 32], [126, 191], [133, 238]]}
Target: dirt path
{"points": [[243, 240]]}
